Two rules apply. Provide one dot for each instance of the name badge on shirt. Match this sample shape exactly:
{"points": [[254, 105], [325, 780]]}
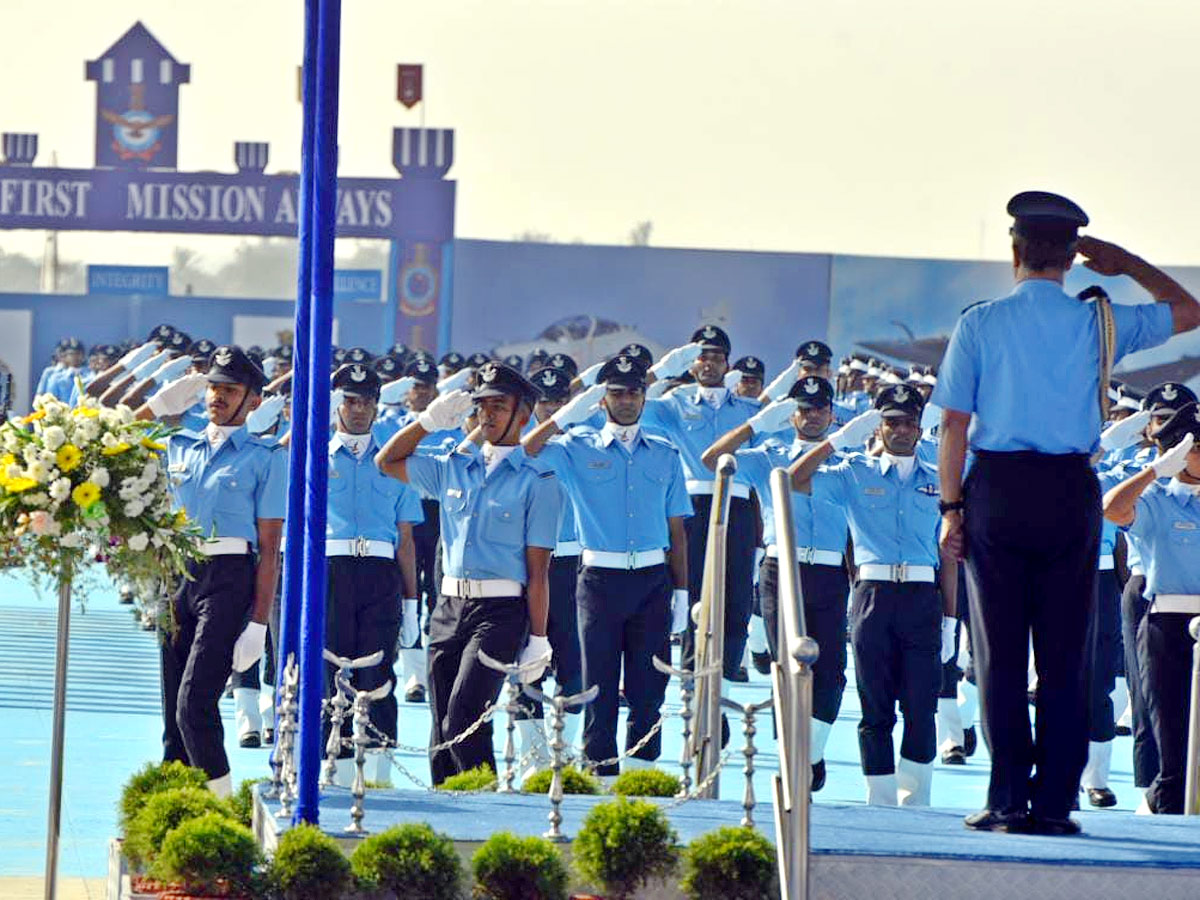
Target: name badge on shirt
{"points": [[453, 492], [600, 464], [177, 467], [875, 492], [1184, 526]]}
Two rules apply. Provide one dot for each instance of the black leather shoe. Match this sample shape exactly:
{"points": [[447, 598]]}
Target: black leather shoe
{"points": [[741, 676], [970, 741], [1075, 803], [250, 740], [1101, 797], [415, 694], [818, 775], [1054, 827], [955, 756], [1124, 730], [1009, 823], [762, 663], [268, 736]]}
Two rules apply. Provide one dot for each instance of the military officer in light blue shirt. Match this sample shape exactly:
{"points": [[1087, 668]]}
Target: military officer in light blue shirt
{"points": [[897, 619], [232, 485], [1037, 342], [1160, 506], [627, 487], [821, 535], [691, 418], [372, 602], [499, 521]]}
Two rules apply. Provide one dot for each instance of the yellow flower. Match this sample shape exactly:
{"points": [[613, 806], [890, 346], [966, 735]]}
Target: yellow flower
{"points": [[68, 457], [5, 461], [85, 494], [85, 411], [16, 485], [181, 518], [34, 416], [115, 449], [151, 445]]}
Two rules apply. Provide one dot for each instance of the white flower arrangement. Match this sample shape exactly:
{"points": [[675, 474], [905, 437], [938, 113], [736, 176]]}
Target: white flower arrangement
{"points": [[86, 484]]}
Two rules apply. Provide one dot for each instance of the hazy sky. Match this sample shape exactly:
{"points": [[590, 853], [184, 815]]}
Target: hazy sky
{"points": [[853, 126]]}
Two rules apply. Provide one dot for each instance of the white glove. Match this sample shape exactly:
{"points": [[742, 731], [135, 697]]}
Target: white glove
{"points": [[137, 356], [948, 625], [335, 400], [931, 416], [396, 391], [446, 412], [855, 432], [1125, 433], [455, 382], [150, 366], [679, 610], [172, 370], [588, 376], [177, 397], [266, 415], [536, 655], [964, 649], [580, 407], [676, 362], [249, 647], [733, 378], [783, 382], [269, 365], [773, 417], [657, 389], [1174, 460], [410, 624]]}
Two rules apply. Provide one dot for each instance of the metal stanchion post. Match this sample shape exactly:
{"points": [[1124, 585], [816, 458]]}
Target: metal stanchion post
{"points": [[362, 718], [512, 674], [559, 707], [287, 737], [687, 683], [748, 713], [339, 705]]}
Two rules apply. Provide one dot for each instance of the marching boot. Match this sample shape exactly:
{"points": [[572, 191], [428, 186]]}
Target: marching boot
{"points": [[344, 777], [222, 787], [914, 782], [570, 733], [1094, 779], [533, 752], [246, 715], [816, 757], [950, 732], [881, 790], [378, 769]]}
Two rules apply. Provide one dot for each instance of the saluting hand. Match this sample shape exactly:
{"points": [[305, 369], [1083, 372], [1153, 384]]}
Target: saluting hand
{"points": [[446, 411], [855, 432], [1102, 257], [396, 391], [773, 417], [678, 361], [581, 406]]}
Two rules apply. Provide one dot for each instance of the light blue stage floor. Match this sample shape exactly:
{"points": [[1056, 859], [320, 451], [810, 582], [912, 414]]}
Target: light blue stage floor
{"points": [[114, 727]]}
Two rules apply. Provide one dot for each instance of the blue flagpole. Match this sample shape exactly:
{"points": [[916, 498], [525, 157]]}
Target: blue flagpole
{"points": [[324, 210], [293, 561]]}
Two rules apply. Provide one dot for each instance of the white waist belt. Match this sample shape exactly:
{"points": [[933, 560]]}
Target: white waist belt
{"points": [[741, 491], [1106, 562], [567, 548], [225, 547], [634, 559], [902, 572], [360, 547], [810, 556], [471, 588], [1176, 603]]}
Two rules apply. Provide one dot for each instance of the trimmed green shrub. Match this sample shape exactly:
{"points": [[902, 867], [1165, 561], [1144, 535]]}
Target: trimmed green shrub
{"points": [[730, 864], [154, 778], [623, 844], [647, 783], [242, 801], [309, 865], [508, 867], [210, 856], [162, 813], [480, 778], [413, 861], [574, 782]]}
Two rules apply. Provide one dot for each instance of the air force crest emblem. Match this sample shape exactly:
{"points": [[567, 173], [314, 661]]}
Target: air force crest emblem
{"points": [[624, 365], [1169, 393], [709, 332], [223, 356], [358, 374], [488, 373], [901, 394], [549, 378]]}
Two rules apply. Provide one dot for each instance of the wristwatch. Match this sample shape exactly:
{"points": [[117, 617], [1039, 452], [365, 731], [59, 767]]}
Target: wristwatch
{"points": [[952, 506]]}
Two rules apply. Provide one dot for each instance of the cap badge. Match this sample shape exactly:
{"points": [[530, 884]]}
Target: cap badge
{"points": [[488, 373], [811, 387], [709, 332], [812, 349], [557, 361], [422, 366], [1169, 392], [634, 351], [358, 373], [549, 378], [624, 365], [1197, 414], [223, 357], [901, 394], [752, 363]]}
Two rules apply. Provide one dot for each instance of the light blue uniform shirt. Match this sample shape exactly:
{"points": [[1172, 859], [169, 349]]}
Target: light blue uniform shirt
{"points": [[43, 382], [818, 519], [1028, 367], [1109, 478], [1167, 525], [568, 530], [488, 522], [891, 521], [228, 490], [692, 424], [622, 500], [62, 383], [365, 503]]}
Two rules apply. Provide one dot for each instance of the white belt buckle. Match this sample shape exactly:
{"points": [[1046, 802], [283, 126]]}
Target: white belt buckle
{"points": [[360, 547], [900, 572], [631, 560], [467, 588], [805, 555]]}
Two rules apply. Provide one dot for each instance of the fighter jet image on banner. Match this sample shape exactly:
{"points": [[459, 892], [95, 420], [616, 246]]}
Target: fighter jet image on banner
{"points": [[586, 339]]}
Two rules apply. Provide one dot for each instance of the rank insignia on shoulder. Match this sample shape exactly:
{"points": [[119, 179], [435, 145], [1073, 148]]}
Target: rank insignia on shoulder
{"points": [[547, 474]]}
